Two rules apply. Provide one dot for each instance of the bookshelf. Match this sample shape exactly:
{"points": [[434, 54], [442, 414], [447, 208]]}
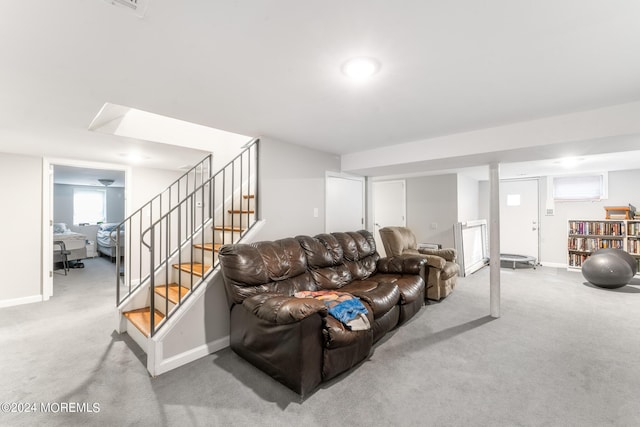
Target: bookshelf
{"points": [[587, 236]]}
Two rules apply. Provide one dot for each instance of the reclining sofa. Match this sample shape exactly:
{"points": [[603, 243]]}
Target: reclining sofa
{"points": [[295, 339]]}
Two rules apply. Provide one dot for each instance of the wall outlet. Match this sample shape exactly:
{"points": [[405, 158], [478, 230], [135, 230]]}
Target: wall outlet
{"points": [[434, 225]]}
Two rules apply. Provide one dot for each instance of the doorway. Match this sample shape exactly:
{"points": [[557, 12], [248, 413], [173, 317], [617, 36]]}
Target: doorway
{"points": [[344, 203], [389, 207], [519, 217], [67, 185]]}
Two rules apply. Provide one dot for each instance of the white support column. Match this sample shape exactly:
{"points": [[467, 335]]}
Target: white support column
{"points": [[494, 238]]}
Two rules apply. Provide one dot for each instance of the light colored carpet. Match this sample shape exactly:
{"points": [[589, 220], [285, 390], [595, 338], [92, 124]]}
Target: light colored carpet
{"points": [[564, 353]]}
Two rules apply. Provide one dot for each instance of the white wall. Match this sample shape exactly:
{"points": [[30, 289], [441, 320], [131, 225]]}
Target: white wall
{"points": [[553, 229], [468, 199], [292, 185], [433, 200], [20, 193], [22, 220]]}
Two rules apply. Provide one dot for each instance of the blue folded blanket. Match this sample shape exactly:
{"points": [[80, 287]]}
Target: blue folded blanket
{"points": [[343, 306], [347, 310]]}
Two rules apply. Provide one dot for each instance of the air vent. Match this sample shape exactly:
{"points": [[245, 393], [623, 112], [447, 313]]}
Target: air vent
{"points": [[139, 7], [549, 212]]}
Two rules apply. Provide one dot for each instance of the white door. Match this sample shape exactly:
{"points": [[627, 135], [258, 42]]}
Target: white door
{"points": [[344, 203], [389, 207], [519, 217]]}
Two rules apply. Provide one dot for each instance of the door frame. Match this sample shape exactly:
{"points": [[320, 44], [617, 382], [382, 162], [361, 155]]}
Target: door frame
{"points": [[374, 223], [342, 175], [404, 197], [47, 209], [537, 181]]}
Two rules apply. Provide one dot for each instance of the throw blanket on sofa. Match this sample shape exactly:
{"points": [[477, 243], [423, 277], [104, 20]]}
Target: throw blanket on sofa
{"points": [[343, 306]]}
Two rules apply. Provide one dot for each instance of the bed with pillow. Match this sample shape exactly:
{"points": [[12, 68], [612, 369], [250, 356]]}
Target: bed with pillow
{"points": [[104, 242], [75, 243]]}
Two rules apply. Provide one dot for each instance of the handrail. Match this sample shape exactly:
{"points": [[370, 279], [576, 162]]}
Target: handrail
{"points": [[165, 229], [122, 234], [171, 239]]}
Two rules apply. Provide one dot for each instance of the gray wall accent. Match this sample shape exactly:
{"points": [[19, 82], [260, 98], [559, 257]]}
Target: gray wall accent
{"points": [[433, 199], [21, 178], [63, 203], [292, 184]]}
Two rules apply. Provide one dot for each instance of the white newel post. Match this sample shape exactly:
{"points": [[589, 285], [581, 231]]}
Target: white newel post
{"points": [[494, 239]]}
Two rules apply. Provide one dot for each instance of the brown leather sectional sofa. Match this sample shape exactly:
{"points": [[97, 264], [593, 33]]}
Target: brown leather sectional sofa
{"points": [[296, 340]]}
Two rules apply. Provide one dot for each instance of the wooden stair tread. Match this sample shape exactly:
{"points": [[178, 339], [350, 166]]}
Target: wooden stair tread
{"points": [[174, 294], [141, 319], [195, 268], [241, 211], [227, 228], [213, 247]]}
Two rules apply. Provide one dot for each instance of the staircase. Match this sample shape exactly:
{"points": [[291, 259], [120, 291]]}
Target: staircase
{"points": [[175, 261]]}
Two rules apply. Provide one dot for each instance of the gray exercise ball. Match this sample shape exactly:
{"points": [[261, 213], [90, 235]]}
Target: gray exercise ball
{"points": [[624, 255], [607, 269]]}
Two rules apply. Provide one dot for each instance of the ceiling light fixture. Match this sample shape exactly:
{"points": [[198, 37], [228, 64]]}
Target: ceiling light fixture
{"points": [[106, 182], [360, 68]]}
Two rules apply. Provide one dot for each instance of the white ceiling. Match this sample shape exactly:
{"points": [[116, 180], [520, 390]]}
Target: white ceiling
{"points": [[272, 68]]}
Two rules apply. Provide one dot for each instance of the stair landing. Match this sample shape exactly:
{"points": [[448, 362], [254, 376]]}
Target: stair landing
{"points": [[141, 319]]}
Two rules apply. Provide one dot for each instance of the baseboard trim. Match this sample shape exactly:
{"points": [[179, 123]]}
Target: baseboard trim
{"points": [[189, 356], [20, 301], [553, 264]]}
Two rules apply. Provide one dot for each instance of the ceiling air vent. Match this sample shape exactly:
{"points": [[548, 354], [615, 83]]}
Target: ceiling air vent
{"points": [[139, 7]]}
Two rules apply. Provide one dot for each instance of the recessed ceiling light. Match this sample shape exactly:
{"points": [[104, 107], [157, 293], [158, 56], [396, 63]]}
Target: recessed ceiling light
{"points": [[569, 162], [134, 157], [360, 68]]}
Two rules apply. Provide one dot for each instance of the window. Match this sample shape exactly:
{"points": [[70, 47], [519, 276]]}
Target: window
{"points": [[583, 187], [89, 206]]}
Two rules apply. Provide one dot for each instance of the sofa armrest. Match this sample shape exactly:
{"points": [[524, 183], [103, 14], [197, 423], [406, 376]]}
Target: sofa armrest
{"points": [[448, 254], [282, 309], [403, 264], [434, 261]]}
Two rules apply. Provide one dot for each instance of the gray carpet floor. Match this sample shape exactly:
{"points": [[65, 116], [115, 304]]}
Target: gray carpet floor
{"points": [[563, 353]]}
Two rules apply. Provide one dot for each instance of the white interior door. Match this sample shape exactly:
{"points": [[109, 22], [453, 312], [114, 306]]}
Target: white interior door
{"points": [[344, 203], [519, 220], [389, 207]]}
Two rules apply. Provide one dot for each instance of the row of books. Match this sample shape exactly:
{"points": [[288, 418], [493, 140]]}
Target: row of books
{"points": [[633, 247], [576, 260], [633, 229], [596, 228], [592, 244]]}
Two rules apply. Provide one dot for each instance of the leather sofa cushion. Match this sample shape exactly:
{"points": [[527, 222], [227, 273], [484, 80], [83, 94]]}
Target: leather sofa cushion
{"points": [[380, 296], [336, 334], [265, 267], [323, 250], [410, 286], [283, 309], [360, 254]]}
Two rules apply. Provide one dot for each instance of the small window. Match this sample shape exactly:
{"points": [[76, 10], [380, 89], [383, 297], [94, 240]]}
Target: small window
{"points": [[513, 200], [89, 206], [582, 187]]}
